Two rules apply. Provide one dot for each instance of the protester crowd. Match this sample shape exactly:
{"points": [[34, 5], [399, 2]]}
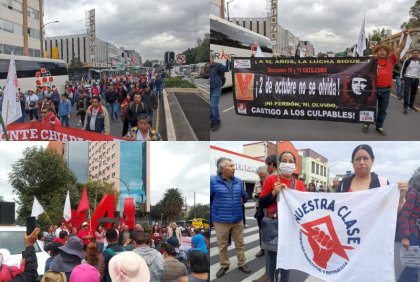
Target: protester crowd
{"points": [[278, 174], [167, 253], [126, 99]]}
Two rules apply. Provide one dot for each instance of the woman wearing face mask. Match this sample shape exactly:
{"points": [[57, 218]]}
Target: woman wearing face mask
{"points": [[363, 179], [273, 184]]}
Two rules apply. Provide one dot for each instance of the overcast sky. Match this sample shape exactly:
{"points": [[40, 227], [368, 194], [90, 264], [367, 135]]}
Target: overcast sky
{"points": [[330, 25], [150, 27], [10, 152], [183, 165], [395, 161]]}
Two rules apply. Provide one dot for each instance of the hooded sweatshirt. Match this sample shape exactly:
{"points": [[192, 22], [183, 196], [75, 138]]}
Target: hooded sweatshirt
{"points": [[199, 243], [154, 261]]}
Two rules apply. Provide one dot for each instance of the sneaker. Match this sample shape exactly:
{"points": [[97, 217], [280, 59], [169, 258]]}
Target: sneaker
{"points": [[216, 127], [260, 253], [413, 109], [245, 269], [405, 111], [79, 124], [365, 128], [381, 131], [221, 272]]}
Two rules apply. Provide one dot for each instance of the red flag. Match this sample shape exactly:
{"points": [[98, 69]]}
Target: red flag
{"points": [[84, 202]]}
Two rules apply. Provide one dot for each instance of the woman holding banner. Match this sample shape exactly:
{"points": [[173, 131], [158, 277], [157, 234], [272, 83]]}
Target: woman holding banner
{"points": [[273, 184], [363, 179]]}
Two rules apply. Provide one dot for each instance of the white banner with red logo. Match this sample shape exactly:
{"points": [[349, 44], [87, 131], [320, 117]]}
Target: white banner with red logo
{"points": [[339, 236]]}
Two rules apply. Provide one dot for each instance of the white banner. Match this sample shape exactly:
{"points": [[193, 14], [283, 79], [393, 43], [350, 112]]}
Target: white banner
{"points": [[339, 236], [37, 209], [11, 102], [67, 208], [407, 44], [361, 41]]}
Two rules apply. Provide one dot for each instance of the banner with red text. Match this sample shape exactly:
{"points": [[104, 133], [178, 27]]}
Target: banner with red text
{"points": [[37, 131], [335, 89], [339, 236]]}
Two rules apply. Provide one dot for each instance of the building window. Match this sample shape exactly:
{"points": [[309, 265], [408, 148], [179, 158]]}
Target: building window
{"points": [[313, 167], [62, 49], [237, 22], [317, 169], [113, 175], [243, 23], [67, 50], [34, 33], [113, 165], [265, 28], [250, 25], [113, 156], [32, 13], [72, 48], [258, 27], [78, 47]]}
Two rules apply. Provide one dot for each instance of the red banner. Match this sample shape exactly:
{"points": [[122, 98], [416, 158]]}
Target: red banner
{"points": [[37, 131]]}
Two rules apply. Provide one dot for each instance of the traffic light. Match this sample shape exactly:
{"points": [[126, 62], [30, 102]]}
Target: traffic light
{"points": [[169, 57], [166, 58]]}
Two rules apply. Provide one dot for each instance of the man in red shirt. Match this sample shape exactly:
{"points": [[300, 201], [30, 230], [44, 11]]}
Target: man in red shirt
{"points": [[84, 233], [386, 61]]}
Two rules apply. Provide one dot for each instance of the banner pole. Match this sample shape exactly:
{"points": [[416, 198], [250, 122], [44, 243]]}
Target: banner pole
{"points": [[4, 128], [49, 219]]}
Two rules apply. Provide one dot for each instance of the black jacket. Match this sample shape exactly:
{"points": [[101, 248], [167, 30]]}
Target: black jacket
{"points": [[110, 97], [344, 186], [133, 113], [150, 100], [31, 265]]}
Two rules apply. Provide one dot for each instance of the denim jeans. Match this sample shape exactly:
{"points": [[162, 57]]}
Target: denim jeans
{"points": [[399, 87], [410, 274], [273, 273], [410, 91], [214, 105], [100, 246], [33, 113], [64, 120], [113, 111], [383, 101]]}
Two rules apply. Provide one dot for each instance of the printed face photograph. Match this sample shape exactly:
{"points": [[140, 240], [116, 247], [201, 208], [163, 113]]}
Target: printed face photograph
{"points": [[358, 85]]}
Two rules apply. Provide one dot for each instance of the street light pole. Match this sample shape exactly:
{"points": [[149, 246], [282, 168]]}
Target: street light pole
{"points": [[228, 9], [42, 37]]}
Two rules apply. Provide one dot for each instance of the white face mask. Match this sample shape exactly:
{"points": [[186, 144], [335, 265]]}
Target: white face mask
{"points": [[287, 168]]}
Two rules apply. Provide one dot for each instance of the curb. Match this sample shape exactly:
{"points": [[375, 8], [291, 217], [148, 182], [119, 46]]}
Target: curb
{"points": [[170, 129]]}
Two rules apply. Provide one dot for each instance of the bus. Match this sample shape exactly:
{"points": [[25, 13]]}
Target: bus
{"points": [[32, 72], [227, 38]]}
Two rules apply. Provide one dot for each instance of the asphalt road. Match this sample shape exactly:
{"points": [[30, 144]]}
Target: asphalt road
{"points": [[398, 126], [257, 265]]}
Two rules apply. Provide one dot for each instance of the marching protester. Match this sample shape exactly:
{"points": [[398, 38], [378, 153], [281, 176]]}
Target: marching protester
{"points": [[48, 116], [143, 130], [217, 73], [226, 197], [151, 102], [64, 110], [271, 163], [97, 118], [396, 74], [95, 258], [411, 73], [32, 105], [199, 263], [174, 231], [53, 250], [259, 212], [100, 237], [85, 273], [82, 106], [136, 109], [111, 250], [128, 267], [173, 269], [112, 102], [124, 108], [311, 187], [84, 234], [334, 186], [156, 236], [273, 184], [385, 64], [409, 225]]}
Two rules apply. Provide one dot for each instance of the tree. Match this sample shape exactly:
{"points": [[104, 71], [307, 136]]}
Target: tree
{"points": [[172, 202], [203, 52], [200, 211], [44, 174], [155, 212], [148, 64], [414, 20]]}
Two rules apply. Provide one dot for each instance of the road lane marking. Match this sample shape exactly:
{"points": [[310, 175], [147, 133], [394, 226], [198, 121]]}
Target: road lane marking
{"points": [[228, 109]]}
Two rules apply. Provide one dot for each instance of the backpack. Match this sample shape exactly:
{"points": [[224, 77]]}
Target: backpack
{"points": [[51, 276], [111, 252]]}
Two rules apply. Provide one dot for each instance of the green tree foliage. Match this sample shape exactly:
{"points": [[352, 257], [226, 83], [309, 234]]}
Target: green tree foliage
{"points": [[200, 211], [44, 174], [148, 64], [76, 64], [172, 202], [199, 54], [156, 212], [414, 13]]}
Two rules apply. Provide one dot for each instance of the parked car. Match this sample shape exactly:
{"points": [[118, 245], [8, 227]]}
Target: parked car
{"points": [[12, 239]]}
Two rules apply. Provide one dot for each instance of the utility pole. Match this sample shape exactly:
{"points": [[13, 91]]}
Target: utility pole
{"points": [[222, 9], [195, 210]]}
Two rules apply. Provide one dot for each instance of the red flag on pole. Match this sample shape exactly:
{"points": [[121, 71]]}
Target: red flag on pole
{"points": [[84, 202]]}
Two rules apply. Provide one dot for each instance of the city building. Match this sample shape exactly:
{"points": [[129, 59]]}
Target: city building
{"points": [[259, 150], [20, 27], [70, 47], [306, 49], [75, 154], [217, 8], [314, 167], [56, 146], [394, 39], [133, 58], [123, 163]]}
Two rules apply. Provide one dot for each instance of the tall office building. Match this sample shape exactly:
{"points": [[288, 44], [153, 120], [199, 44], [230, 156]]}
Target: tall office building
{"points": [[20, 27], [123, 163], [75, 155]]}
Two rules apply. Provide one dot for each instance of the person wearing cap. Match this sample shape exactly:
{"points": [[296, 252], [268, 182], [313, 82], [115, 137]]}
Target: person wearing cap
{"points": [[71, 255], [97, 118], [84, 273], [129, 267], [385, 64], [31, 105], [173, 269], [84, 233], [152, 257]]}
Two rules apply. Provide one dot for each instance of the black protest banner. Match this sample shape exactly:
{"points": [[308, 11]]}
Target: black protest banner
{"points": [[335, 89]]}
